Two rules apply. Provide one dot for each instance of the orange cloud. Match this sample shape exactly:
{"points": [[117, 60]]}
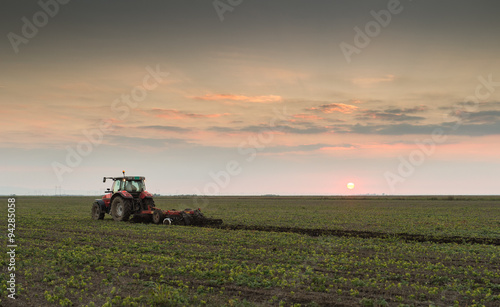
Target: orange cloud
{"points": [[175, 114], [258, 99], [335, 107], [306, 116], [336, 148]]}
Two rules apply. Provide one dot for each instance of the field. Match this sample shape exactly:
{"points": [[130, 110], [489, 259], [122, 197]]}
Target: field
{"points": [[271, 251]]}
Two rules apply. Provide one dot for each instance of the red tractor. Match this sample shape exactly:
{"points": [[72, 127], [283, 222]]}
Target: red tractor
{"points": [[129, 197]]}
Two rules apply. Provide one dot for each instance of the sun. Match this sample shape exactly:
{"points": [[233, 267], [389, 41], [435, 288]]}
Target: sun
{"points": [[350, 185]]}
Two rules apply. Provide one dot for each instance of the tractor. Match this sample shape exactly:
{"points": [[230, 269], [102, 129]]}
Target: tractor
{"points": [[128, 197]]}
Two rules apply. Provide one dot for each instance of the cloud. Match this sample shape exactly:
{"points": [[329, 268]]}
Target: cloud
{"points": [[306, 148], [371, 81], [138, 142], [334, 107], [289, 129], [409, 129], [393, 114], [278, 128], [398, 129], [490, 104], [175, 114], [166, 128], [416, 109], [243, 98], [491, 116], [388, 116], [222, 129], [307, 116]]}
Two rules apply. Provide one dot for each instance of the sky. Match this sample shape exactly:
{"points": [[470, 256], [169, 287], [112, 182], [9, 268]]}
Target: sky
{"points": [[248, 97]]}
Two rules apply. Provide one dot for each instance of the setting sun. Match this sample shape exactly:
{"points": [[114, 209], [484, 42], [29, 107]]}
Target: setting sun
{"points": [[350, 185]]}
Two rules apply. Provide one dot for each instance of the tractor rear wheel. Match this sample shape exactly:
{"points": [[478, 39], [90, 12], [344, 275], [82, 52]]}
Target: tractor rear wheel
{"points": [[158, 216], [121, 209], [97, 213]]}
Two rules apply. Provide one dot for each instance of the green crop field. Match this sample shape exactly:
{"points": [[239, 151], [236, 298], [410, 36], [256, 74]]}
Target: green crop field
{"points": [[271, 251]]}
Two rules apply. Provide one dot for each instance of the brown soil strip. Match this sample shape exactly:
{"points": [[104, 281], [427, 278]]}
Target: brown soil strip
{"points": [[365, 234]]}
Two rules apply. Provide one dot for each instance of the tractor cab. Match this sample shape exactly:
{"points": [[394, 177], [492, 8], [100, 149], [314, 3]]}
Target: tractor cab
{"points": [[130, 184]]}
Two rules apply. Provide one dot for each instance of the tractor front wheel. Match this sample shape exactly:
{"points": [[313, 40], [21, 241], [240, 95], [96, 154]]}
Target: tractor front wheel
{"points": [[158, 216], [121, 209], [97, 213]]}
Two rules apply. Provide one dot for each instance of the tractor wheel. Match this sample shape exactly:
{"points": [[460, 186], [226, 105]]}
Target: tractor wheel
{"points": [[97, 213], [148, 202], [186, 218], [158, 216], [121, 209]]}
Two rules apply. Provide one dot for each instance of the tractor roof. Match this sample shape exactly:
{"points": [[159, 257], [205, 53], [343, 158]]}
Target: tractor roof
{"points": [[127, 178]]}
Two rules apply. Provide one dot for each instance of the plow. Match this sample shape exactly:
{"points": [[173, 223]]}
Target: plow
{"points": [[128, 199]]}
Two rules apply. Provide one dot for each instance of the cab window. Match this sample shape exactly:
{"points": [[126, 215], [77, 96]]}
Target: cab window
{"points": [[134, 186], [116, 186]]}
